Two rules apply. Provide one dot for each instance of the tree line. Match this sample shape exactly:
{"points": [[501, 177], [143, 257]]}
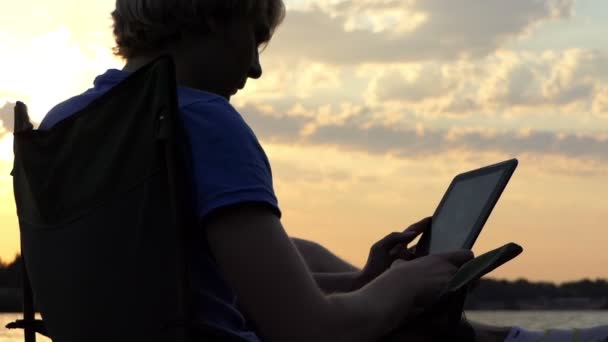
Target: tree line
{"points": [[488, 294], [522, 294], [10, 273]]}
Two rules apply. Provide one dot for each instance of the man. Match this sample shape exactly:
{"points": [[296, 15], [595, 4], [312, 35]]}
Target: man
{"points": [[288, 290]]}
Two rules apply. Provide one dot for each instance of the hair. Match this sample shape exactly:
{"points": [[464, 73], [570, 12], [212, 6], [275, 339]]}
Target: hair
{"points": [[149, 26]]}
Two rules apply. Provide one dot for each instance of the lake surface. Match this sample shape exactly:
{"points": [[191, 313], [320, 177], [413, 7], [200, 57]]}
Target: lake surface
{"points": [[527, 319], [541, 320]]}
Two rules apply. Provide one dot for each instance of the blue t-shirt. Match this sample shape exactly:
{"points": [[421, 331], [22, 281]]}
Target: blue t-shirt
{"points": [[228, 167]]}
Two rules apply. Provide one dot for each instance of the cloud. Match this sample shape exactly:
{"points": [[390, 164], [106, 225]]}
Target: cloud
{"points": [[409, 143], [73, 37], [7, 119], [418, 83], [348, 32], [570, 81], [358, 134], [562, 91], [273, 128], [600, 103], [298, 79], [548, 78], [89, 22]]}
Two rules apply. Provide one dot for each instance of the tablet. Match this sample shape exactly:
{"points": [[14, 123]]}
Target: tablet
{"points": [[465, 208]]}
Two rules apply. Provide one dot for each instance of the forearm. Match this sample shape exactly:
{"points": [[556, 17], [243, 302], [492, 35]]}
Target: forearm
{"points": [[277, 292], [338, 282], [373, 311], [355, 317], [392, 300]]}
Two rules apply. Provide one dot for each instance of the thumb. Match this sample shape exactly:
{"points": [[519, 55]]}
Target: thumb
{"points": [[457, 258], [421, 225]]}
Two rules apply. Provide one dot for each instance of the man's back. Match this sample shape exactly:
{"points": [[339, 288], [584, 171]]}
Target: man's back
{"points": [[227, 166]]}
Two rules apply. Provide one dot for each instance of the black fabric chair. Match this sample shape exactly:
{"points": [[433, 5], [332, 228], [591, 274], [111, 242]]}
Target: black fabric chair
{"points": [[104, 218]]}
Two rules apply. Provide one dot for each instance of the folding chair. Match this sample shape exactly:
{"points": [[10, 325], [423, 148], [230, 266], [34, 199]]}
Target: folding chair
{"points": [[104, 217]]}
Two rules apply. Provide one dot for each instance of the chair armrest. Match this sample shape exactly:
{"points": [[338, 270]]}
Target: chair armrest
{"points": [[22, 324]]}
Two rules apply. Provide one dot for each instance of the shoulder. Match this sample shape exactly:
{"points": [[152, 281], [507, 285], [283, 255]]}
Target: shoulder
{"points": [[229, 166], [66, 108], [214, 122], [102, 84], [213, 111]]}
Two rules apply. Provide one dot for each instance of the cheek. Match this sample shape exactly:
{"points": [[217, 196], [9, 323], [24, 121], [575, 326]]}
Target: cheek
{"points": [[245, 47], [242, 47], [244, 61]]}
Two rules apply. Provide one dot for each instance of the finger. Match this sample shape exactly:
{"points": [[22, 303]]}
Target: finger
{"points": [[457, 258], [407, 235], [407, 255], [395, 238], [421, 225], [395, 250], [401, 252]]}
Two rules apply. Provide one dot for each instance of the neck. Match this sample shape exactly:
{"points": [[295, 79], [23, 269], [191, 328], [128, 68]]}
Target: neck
{"points": [[186, 70], [136, 63]]}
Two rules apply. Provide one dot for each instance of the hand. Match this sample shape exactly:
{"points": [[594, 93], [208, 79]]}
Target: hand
{"points": [[390, 248], [427, 277]]}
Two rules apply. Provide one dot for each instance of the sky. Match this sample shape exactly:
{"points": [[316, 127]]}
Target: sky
{"points": [[368, 108]]}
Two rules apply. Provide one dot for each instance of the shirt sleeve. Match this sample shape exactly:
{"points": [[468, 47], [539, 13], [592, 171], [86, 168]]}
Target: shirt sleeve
{"points": [[228, 164]]}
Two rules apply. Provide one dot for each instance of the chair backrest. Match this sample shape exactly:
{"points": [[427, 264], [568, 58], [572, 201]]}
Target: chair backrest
{"points": [[102, 217]]}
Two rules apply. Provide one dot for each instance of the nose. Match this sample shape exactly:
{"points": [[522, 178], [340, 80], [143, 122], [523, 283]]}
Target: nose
{"points": [[255, 71]]}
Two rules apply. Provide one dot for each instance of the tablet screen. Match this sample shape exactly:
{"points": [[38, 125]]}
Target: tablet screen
{"points": [[463, 206]]}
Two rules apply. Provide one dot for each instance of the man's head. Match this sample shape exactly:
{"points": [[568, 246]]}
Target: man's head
{"points": [[214, 43]]}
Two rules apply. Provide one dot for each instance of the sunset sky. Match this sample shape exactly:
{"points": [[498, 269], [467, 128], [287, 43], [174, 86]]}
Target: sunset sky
{"points": [[368, 108]]}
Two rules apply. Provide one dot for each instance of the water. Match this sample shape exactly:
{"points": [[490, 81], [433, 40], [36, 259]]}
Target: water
{"points": [[527, 319], [541, 320]]}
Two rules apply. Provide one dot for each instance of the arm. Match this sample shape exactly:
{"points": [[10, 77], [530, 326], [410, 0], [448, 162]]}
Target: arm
{"points": [[338, 282], [330, 272], [274, 286], [320, 259], [344, 277], [280, 296]]}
